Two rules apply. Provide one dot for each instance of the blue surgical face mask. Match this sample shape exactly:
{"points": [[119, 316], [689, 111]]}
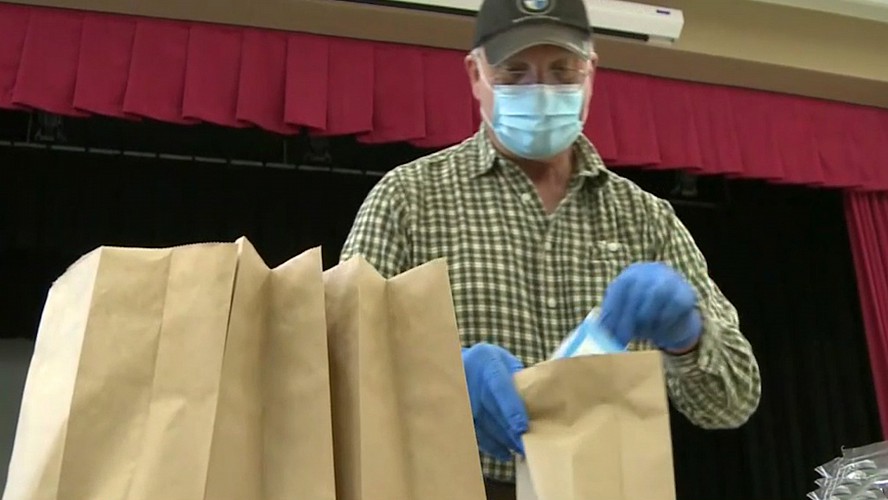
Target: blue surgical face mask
{"points": [[537, 121]]}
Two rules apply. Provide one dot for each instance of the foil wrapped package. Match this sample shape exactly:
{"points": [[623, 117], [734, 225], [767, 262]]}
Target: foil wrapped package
{"points": [[860, 473]]}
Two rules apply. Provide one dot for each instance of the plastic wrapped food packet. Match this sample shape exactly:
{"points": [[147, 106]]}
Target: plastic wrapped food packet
{"points": [[860, 473], [872, 489], [588, 338], [840, 488], [830, 493], [863, 468], [871, 449], [830, 468]]}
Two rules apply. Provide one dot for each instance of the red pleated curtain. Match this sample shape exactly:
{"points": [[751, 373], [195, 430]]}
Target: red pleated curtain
{"points": [[867, 215], [79, 64]]}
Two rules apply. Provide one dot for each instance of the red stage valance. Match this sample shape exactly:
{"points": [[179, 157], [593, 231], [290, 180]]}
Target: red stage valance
{"points": [[78, 63]]}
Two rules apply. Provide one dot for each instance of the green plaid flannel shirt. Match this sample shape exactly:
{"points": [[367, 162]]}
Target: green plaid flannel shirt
{"points": [[523, 279]]}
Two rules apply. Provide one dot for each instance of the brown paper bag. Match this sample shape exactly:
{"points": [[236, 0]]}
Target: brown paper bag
{"points": [[298, 427], [109, 323], [599, 429], [402, 421], [154, 377], [273, 427]]}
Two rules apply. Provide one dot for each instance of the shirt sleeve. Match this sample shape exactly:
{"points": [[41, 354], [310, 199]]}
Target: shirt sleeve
{"points": [[380, 230], [718, 384]]}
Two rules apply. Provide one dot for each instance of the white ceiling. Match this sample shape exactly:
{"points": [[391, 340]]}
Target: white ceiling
{"points": [[876, 10]]}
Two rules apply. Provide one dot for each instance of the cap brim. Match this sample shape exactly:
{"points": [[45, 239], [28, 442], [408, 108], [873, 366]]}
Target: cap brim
{"points": [[523, 36]]}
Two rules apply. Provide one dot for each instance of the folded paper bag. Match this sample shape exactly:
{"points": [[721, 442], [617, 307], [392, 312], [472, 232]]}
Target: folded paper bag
{"points": [[192, 372], [402, 422], [89, 400], [599, 429]]}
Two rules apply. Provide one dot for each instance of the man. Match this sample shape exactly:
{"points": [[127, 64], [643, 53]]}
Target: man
{"points": [[536, 232]]}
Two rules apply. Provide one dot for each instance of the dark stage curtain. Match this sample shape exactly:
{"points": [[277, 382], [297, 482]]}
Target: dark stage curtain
{"points": [[55, 206], [781, 254]]}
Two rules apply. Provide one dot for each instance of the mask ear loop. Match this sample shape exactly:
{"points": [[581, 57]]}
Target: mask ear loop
{"points": [[588, 90], [476, 54], [480, 61]]}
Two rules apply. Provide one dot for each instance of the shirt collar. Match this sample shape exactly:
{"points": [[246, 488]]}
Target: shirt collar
{"points": [[589, 162]]}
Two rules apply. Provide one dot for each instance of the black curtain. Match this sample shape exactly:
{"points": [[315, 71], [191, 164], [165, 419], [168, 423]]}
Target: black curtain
{"points": [[60, 205], [780, 253]]}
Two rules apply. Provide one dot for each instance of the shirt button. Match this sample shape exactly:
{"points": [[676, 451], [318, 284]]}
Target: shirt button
{"points": [[613, 246], [527, 197], [552, 303]]}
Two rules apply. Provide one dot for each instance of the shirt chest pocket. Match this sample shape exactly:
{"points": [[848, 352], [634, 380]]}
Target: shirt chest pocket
{"points": [[594, 270]]}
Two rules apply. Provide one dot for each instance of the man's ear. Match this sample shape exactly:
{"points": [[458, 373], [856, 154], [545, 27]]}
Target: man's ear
{"points": [[593, 69], [473, 72], [472, 68]]}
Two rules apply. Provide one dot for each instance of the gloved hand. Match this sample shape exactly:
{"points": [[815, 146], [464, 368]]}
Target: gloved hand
{"points": [[653, 302], [497, 409]]}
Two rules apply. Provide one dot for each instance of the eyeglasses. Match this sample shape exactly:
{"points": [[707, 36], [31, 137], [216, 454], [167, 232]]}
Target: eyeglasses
{"points": [[564, 71], [528, 75]]}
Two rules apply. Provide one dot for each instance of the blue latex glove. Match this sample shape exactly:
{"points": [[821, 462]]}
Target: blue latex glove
{"points": [[497, 409], [651, 301]]}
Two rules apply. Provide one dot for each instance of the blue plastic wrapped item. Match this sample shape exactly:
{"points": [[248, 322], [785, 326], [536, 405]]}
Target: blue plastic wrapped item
{"points": [[588, 338]]}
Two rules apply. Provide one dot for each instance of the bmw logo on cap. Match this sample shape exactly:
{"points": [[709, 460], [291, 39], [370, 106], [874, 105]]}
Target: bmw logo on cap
{"points": [[535, 6]]}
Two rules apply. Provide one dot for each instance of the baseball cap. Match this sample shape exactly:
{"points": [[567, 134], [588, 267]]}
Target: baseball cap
{"points": [[505, 27]]}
